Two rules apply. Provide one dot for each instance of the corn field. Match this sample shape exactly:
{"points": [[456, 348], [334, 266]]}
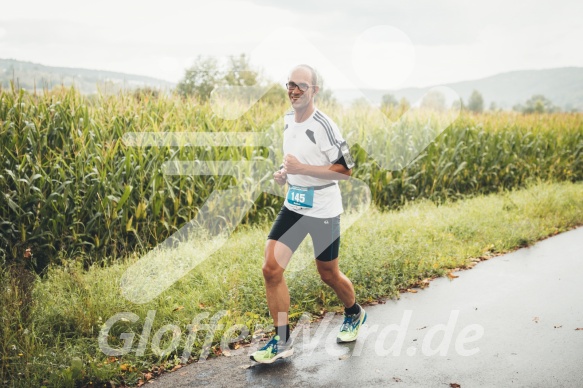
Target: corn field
{"points": [[72, 188]]}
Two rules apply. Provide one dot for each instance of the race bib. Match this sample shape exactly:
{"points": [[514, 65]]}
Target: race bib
{"points": [[301, 196]]}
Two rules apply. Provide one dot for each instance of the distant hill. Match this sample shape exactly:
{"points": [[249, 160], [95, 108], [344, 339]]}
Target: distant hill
{"points": [[563, 86], [28, 74]]}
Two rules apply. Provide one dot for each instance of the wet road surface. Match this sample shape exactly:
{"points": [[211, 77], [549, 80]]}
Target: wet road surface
{"points": [[511, 321]]}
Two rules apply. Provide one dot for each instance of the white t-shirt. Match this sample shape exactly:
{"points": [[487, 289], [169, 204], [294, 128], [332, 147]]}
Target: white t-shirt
{"points": [[316, 142]]}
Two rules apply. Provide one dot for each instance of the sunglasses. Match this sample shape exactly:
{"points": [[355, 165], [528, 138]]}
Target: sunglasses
{"points": [[301, 86]]}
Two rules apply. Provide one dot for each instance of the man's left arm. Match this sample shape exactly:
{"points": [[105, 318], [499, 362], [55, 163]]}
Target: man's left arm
{"points": [[336, 171]]}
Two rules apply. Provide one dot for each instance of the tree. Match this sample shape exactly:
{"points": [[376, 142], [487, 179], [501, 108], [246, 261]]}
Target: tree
{"points": [[360, 103], [200, 79], [537, 104], [389, 101], [404, 105], [433, 100], [458, 104], [240, 72], [276, 95], [476, 102], [237, 80], [326, 97]]}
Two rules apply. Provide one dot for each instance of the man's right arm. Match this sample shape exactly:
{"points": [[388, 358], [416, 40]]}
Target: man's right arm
{"points": [[280, 177]]}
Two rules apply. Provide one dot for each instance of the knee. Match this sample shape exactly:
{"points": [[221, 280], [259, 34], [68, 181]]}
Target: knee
{"points": [[272, 274], [275, 260], [329, 277], [272, 271]]}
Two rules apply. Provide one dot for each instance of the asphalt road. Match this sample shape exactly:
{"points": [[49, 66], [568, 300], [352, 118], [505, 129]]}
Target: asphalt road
{"points": [[511, 321]]}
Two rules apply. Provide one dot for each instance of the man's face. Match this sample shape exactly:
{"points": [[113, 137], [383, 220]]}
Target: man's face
{"points": [[302, 77]]}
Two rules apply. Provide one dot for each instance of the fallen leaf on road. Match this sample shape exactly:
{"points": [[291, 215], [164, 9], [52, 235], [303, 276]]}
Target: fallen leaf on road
{"points": [[176, 368], [412, 290], [579, 328], [452, 276], [536, 319], [454, 385], [344, 356], [259, 333]]}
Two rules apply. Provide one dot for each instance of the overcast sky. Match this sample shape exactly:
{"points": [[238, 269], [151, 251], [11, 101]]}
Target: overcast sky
{"points": [[380, 44]]}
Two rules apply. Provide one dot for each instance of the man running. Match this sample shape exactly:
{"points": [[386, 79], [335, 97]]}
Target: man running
{"points": [[316, 157]]}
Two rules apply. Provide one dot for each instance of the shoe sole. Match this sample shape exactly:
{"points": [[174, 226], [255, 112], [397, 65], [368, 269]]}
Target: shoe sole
{"points": [[339, 341], [284, 354]]}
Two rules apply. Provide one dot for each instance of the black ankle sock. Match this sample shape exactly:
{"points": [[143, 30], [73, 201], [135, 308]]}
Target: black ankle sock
{"points": [[282, 332], [355, 309]]}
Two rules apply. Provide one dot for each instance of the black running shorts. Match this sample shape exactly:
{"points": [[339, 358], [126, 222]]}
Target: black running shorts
{"points": [[290, 228]]}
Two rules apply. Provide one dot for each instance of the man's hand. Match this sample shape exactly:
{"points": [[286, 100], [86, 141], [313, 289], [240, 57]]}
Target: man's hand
{"points": [[292, 165], [337, 171], [280, 177]]}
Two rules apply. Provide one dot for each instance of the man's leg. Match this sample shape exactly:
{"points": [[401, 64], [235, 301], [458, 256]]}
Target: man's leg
{"points": [[285, 236], [354, 315], [331, 275], [326, 238], [277, 256]]}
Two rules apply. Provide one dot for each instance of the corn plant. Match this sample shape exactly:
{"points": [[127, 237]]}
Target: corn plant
{"points": [[72, 188]]}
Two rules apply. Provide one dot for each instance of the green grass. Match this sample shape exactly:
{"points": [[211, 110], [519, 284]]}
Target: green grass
{"points": [[52, 339]]}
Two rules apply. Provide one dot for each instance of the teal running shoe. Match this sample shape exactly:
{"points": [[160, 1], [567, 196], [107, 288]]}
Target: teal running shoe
{"points": [[272, 351], [351, 326]]}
